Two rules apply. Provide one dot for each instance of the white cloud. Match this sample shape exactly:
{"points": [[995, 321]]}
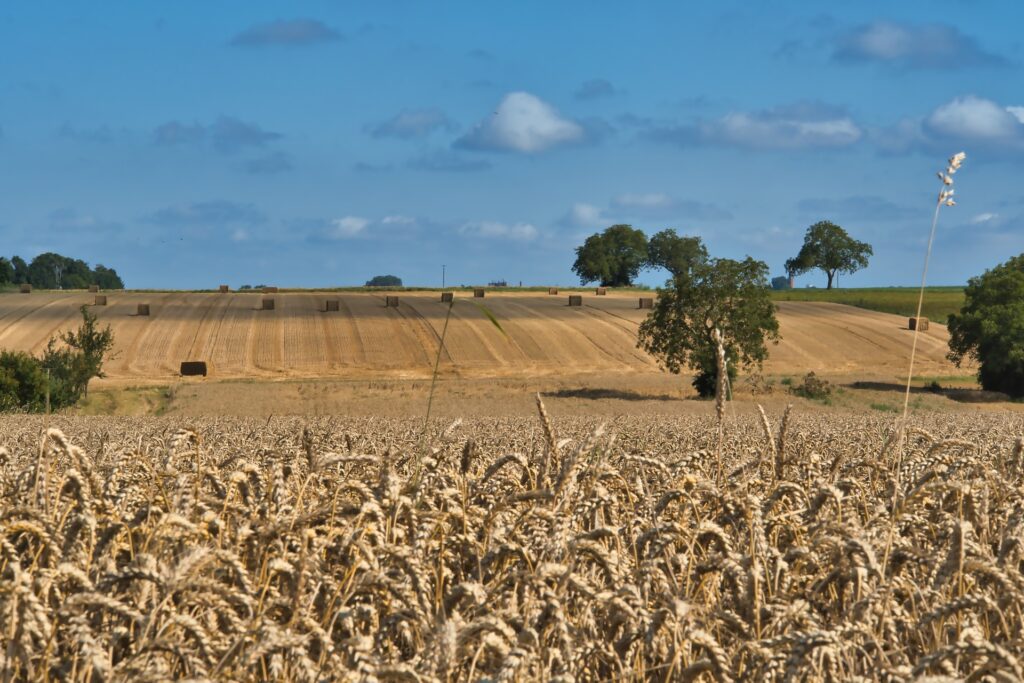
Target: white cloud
{"points": [[347, 227], [976, 118], [492, 229], [522, 123], [583, 215], [986, 217], [795, 126]]}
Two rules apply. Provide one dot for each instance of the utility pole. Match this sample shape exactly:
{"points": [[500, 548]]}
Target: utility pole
{"points": [[443, 267]]}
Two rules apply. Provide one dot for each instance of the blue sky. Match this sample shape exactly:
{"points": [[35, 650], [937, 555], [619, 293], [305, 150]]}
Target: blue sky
{"points": [[322, 143]]}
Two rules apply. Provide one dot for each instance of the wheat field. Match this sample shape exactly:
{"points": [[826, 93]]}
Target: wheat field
{"points": [[315, 549]]}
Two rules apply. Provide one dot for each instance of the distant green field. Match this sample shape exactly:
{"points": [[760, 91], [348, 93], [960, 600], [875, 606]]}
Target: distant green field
{"points": [[939, 302]]}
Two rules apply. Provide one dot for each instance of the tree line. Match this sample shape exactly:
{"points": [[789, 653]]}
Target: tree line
{"points": [[54, 271]]}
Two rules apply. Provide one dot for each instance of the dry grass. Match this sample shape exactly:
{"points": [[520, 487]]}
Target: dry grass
{"points": [[525, 550]]}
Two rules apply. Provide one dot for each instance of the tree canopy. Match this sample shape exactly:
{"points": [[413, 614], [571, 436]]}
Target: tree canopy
{"points": [[675, 254], [732, 296], [831, 249], [54, 271], [613, 257], [384, 281], [990, 327]]}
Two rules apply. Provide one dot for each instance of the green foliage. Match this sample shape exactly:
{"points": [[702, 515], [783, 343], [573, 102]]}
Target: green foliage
{"points": [[53, 271], [990, 328], [384, 281], [106, 278], [674, 253], [730, 295], [812, 387], [780, 283], [22, 383], [831, 249], [20, 270], [6, 271], [613, 257]]}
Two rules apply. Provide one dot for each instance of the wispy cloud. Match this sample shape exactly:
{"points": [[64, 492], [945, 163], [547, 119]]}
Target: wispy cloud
{"points": [[859, 207], [916, 46], [446, 161], [661, 205], [795, 126], [521, 232], [522, 123], [287, 32], [227, 134], [412, 123], [215, 213], [270, 164], [595, 89]]}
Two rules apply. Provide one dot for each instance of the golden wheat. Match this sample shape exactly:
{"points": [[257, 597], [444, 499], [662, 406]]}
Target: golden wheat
{"points": [[323, 549]]}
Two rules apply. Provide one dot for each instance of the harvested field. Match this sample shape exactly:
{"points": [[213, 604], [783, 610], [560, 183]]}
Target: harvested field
{"points": [[539, 335], [511, 549]]}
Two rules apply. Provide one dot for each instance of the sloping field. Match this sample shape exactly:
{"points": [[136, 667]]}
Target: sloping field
{"points": [[539, 335]]}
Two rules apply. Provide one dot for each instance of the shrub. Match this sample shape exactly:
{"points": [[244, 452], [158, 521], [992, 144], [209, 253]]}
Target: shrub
{"points": [[22, 382], [812, 387]]}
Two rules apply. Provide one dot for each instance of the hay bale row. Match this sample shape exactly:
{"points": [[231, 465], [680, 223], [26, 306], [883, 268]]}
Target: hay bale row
{"points": [[143, 309], [193, 368], [478, 293], [26, 289], [270, 290], [447, 297], [330, 305], [918, 324], [101, 300], [552, 291], [391, 302], [602, 291], [575, 300], [646, 302], [224, 289], [268, 303], [93, 289]]}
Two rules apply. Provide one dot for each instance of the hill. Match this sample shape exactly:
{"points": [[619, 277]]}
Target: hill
{"points": [[539, 335]]}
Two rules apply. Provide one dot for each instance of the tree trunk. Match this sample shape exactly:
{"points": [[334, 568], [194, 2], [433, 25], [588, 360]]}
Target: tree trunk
{"points": [[831, 274]]}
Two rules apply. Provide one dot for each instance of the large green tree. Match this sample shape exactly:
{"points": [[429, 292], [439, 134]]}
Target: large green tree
{"points": [[731, 296], [675, 254], [613, 257], [831, 249], [990, 327]]}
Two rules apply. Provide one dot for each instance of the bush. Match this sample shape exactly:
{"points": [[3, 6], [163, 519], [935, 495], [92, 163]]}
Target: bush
{"points": [[812, 387], [22, 382]]}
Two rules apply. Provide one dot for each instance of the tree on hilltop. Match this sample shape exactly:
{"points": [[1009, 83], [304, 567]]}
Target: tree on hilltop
{"points": [[829, 248], [613, 257]]}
